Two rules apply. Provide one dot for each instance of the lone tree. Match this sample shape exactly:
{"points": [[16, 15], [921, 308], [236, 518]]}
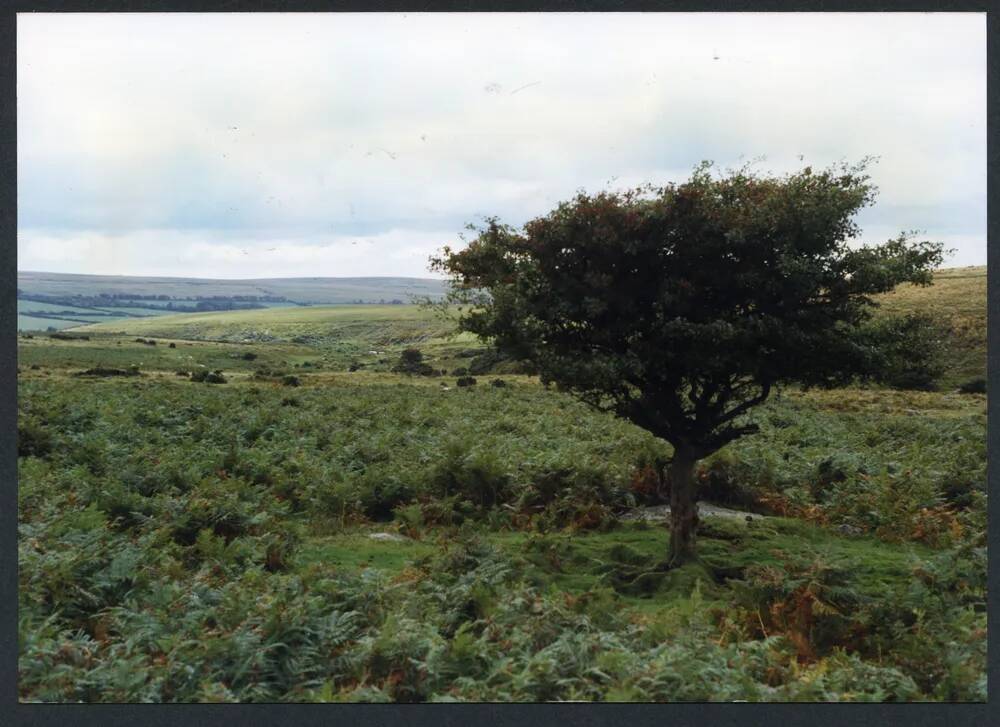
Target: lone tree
{"points": [[682, 307]]}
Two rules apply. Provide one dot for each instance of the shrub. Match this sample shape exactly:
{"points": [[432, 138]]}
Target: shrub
{"points": [[912, 347], [498, 383], [460, 371], [379, 494], [411, 361], [291, 380], [59, 336], [208, 377], [172, 345], [474, 475], [106, 372], [249, 356], [465, 381], [973, 386], [808, 601], [33, 439]]}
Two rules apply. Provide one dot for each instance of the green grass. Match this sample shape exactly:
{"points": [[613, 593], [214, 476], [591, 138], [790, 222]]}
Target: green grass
{"points": [[356, 551], [576, 563], [63, 356], [341, 334]]}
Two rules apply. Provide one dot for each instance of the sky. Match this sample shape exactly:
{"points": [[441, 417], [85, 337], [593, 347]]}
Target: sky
{"points": [[288, 145]]}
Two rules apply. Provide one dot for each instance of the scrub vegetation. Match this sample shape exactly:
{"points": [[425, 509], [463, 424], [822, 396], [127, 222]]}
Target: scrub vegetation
{"points": [[181, 541]]}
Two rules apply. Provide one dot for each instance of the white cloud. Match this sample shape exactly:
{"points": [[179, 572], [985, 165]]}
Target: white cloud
{"points": [[199, 253], [298, 127]]}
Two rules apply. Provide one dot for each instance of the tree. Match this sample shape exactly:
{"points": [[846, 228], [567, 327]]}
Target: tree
{"points": [[411, 361], [680, 308], [913, 349]]}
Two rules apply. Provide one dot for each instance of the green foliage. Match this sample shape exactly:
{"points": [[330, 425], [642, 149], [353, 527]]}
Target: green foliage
{"points": [[973, 386], [33, 438], [680, 308], [192, 543], [105, 372], [913, 350], [208, 377], [411, 361]]}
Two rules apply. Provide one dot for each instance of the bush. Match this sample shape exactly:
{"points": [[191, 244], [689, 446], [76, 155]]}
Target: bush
{"points": [[379, 495], [974, 386], [105, 372], [411, 361], [460, 371], [33, 439], [912, 348], [477, 476], [172, 345], [290, 380], [807, 600], [465, 381], [208, 377], [68, 337], [249, 356]]}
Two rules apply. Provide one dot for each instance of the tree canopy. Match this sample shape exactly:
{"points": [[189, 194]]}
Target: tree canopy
{"points": [[682, 307]]}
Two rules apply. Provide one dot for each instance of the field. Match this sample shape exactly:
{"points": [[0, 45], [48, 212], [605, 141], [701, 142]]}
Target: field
{"points": [[304, 532]]}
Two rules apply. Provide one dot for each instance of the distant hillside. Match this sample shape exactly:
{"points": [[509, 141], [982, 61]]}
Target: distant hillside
{"points": [[380, 325], [320, 291], [958, 299]]}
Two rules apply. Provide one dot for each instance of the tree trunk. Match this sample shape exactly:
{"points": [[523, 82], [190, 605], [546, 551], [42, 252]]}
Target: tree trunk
{"points": [[683, 508]]}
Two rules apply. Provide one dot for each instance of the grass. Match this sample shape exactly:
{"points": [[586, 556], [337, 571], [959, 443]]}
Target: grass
{"points": [[62, 356], [576, 563]]}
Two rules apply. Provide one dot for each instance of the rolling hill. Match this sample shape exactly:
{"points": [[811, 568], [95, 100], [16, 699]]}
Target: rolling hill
{"points": [[957, 299], [298, 290]]}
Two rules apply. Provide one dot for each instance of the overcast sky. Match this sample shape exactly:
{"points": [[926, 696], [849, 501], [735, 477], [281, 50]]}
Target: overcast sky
{"points": [[237, 146]]}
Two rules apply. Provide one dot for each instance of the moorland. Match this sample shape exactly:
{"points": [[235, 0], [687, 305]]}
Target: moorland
{"points": [[280, 504]]}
